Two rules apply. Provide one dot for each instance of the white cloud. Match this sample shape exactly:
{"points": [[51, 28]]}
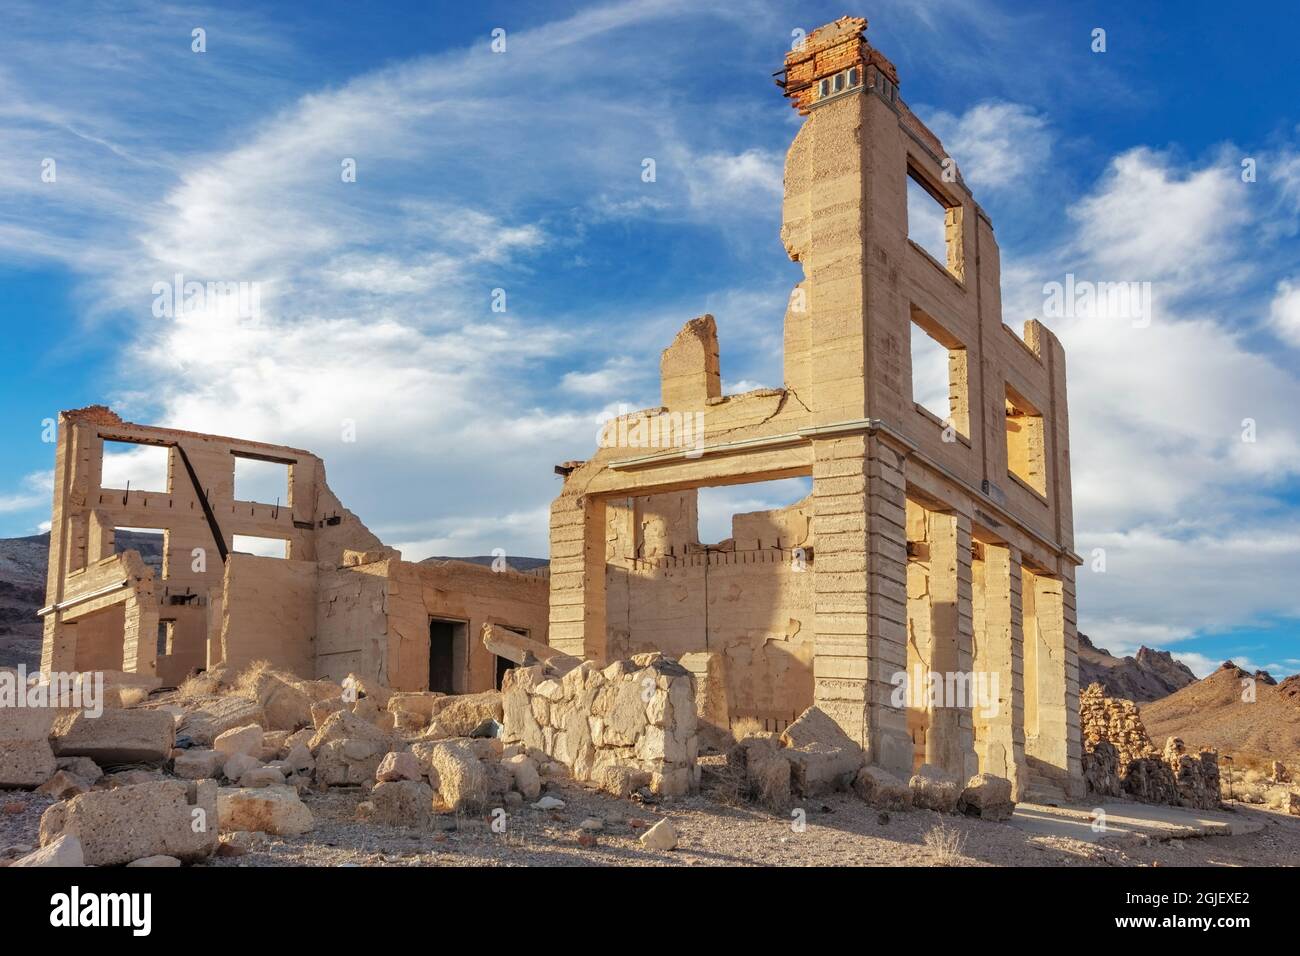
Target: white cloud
{"points": [[36, 491], [997, 145], [1284, 311]]}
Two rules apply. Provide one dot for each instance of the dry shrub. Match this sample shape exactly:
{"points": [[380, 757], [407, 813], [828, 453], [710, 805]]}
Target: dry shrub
{"points": [[946, 844], [246, 683], [743, 727]]}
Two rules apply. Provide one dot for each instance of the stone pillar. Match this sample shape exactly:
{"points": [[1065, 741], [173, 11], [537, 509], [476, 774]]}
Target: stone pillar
{"points": [[140, 635], [950, 743], [1048, 737], [860, 591], [999, 655], [577, 616]]}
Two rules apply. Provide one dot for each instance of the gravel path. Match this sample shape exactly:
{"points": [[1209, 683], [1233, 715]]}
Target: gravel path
{"points": [[840, 831]]}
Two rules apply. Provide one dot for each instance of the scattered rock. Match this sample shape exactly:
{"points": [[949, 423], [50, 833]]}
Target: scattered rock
{"points": [[156, 861], [275, 809], [933, 789], [549, 803], [880, 788], [661, 836], [987, 797], [63, 852]]}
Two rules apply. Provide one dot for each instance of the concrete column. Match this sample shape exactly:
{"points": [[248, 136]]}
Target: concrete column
{"points": [[577, 616], [1055, 674], [999, 655], [860, 592], [950, 743], [140, 635]]}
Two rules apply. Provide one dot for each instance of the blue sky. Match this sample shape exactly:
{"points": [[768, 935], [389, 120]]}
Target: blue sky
{"points": [[521, 171]]}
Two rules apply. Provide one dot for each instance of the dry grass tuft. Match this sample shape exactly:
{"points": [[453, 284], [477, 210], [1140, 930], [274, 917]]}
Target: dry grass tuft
{"points": [[946, 844]]}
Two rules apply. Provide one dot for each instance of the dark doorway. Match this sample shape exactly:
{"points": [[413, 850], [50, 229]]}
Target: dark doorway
{"points": [[444, 636]]}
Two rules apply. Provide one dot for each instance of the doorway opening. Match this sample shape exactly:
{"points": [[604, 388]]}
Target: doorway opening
{"points": [[446, 654]]}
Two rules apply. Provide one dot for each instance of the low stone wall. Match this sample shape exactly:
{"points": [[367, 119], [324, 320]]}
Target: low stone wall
{"points": [[1120, 760], [626, 726]]}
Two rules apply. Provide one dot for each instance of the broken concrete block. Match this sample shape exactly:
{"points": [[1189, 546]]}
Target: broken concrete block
{"points": [[63, 785], [299, 759], [987, 797], [285, 701], [115, 736], [158, 861], [661, 836], [217, 715], [461, 777], [823, 758], [399, 765], [344, 725], [117, 826], [322, 709], [348, 762], [621, 781], [881, 789], [240, 740], [419, 703], [236, 765], [933, 789], [256, 777], [26, 759], [62, 852], [457, 715], [402, 803], [198, 763], [83, 767], [267, 810], [524, 773]]}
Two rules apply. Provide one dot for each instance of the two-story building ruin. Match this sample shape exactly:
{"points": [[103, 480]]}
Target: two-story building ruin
{"points": [[930, 544]]}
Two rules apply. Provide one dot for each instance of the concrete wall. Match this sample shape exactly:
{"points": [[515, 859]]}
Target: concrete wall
{"points": [[269, 613]]}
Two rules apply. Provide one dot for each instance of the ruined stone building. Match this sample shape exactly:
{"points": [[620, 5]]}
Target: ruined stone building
{"points": [[929, 543], [298, 581]]}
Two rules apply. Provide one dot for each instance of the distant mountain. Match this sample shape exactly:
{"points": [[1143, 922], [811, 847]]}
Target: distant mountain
{"points": [[23, 567], [1149, 676], [515, 563], [1238, 713]]}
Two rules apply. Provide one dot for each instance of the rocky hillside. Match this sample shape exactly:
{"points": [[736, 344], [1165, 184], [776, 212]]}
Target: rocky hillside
{"points": [[1219, 712], [1149, 676]]}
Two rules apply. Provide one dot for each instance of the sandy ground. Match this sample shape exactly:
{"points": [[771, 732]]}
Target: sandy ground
{"points": [[840, 831]]}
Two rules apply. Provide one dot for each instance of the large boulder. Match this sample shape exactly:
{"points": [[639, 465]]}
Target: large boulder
{"points": [[167, 817], [275, 809], [399, 765], [881, 789], [26, 759], [934, 789], [115, 736], [987, 797], [822, 756]]}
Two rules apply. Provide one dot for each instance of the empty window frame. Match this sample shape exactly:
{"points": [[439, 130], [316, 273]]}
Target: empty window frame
{"points": [[166, 637], [934, 222], [261, 547], [151, 543], [940, 376], [137, 467], [263, 480], [1026, 442]]}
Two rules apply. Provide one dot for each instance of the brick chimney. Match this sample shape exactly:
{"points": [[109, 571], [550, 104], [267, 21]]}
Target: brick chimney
{"points": [[833, 60]]}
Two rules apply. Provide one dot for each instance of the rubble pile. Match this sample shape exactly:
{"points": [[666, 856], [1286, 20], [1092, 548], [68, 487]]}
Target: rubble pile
{"points": [[813, 756], [1119, 758]]}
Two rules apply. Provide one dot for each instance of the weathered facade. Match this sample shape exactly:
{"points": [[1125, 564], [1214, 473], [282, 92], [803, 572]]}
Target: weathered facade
{"points": [[929, 545], [336, 602]]}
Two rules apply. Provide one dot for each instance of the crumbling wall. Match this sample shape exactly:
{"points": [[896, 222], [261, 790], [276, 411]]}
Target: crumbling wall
{"points": [[745, 602], [269, 613], [629, 725], [1119, 758]]}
